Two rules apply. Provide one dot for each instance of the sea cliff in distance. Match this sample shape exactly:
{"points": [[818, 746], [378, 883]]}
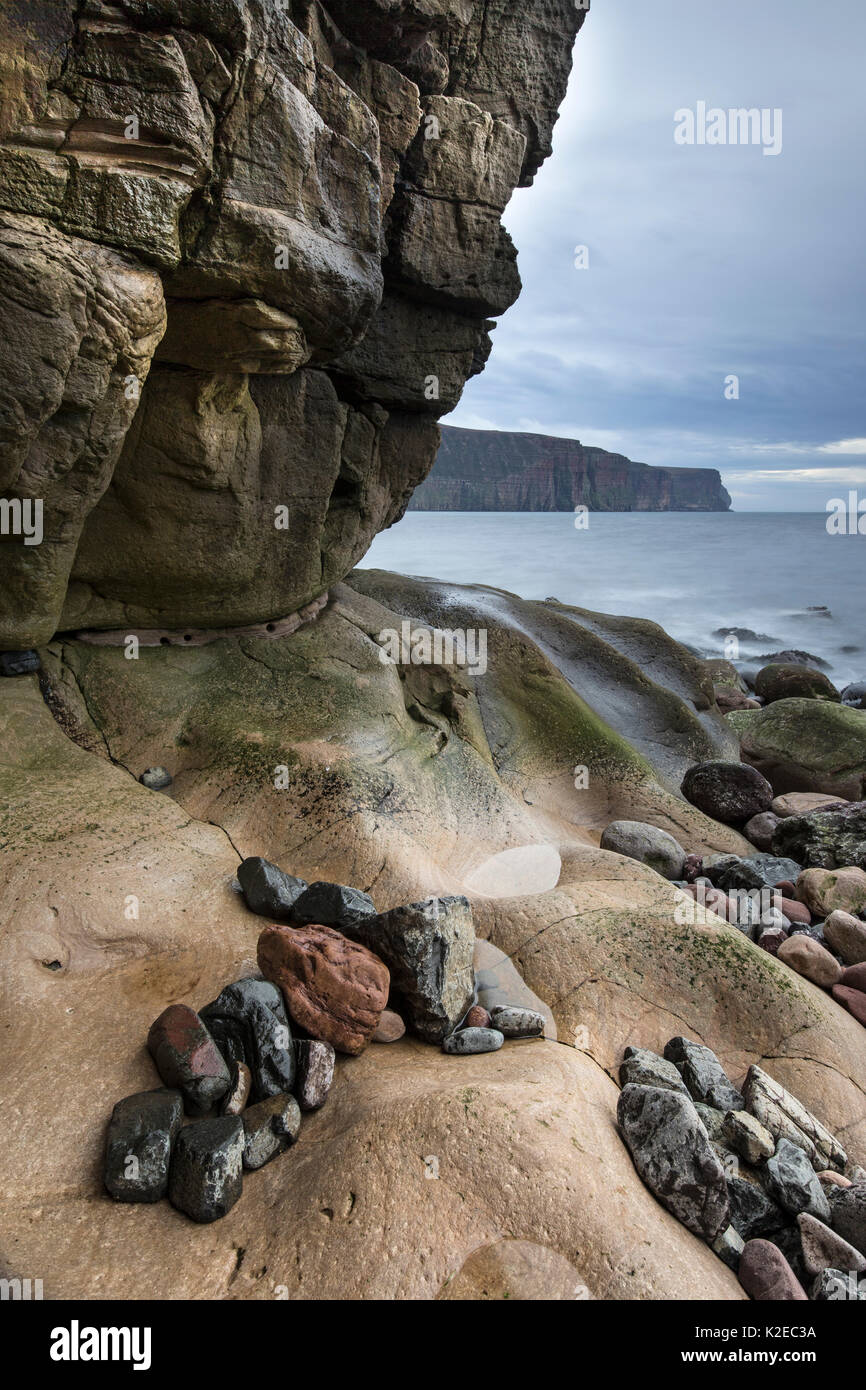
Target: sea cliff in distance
{"points": [[499, 471]]}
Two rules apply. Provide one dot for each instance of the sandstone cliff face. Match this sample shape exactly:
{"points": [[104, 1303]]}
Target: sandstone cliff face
{"points": [[497, 471], [249, 255]]}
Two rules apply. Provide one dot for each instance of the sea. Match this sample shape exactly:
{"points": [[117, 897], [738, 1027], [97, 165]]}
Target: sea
{"points": [[780, 579]]}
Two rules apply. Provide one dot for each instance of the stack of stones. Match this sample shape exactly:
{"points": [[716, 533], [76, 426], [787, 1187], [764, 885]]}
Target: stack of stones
{"points": [[750, 1170], [802, 896], [239, 1073]]}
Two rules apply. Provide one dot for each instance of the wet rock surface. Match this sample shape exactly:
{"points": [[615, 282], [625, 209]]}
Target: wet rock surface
{"points": [[187, 1057], [270, 1127], [206, 1178], [249, 1024], [268, 890]]}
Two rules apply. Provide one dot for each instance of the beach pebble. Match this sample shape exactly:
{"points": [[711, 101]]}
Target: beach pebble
{"points": [[268, 890], [187, 1057], [793, 1183], [753, 1213], [854, 977], [854, 1000], [470, 1040], [138, 1146], [249, 1024], [729, 792], [517, 1023], [848, 1208], [156, 779], [477, 1017], [332, 905], [315, 1072], [828, 891], [748, 1137], [270, 1126], [206, 1177], [238, 1093], [644, 1068], [647, 844], [847, 935], [812, 961], [674, 1157], [826, 1249], [703, 1074], [803, 803], [391, 1028], [766, 1275], [760, 830], [771, 939], [334, 989]]}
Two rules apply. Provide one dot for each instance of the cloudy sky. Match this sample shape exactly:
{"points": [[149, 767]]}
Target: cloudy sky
{"points": [[705, 261]]}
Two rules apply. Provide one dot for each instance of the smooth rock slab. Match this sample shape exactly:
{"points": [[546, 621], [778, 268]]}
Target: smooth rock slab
{"points": [[847, 935], [704, 1075], [647, 844], [517, 1023], [794, 1184], [315, 1072], [138, 1146], [748, 1137], [187, 1057], [249, 1024], [270, 1127], [268, 890], [206, 1177], [468, 1041], [644, 1068], [674, 1157], [333, 905], [826, 1249], [811, 960], [766, 1275], [334, 988], [429, 949], [803, 803]]}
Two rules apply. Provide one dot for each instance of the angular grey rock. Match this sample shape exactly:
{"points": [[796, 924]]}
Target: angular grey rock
{"points": [[785, 1118], [832, 839], [270, 1127], [753, 1213], [674, 1157], [761, 872], [314, 1072], [138, 1146], [268, 890], [837, 1286], [644, 1068], [517, 1023], [19, 663], [848, 1215], [206, 1177], [713, 1120], [729, 1247], [748, 1137], [471, 1040], [156, 779], [793, 1182], [704, 1075], [333, 905], [825, 1249], [429, 949], [249, 1024], [647, 844]]}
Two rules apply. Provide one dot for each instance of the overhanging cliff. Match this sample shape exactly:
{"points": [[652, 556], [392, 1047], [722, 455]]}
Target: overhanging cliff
{"points": [[497, 471]]}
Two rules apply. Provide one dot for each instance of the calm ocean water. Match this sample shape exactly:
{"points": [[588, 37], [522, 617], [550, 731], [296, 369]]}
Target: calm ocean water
{"points": [[692, 573]]}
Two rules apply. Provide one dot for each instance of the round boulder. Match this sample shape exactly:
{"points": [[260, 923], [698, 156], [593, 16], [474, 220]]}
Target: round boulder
{"points": [[780, 681], [729, 792], [647, 844]]}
